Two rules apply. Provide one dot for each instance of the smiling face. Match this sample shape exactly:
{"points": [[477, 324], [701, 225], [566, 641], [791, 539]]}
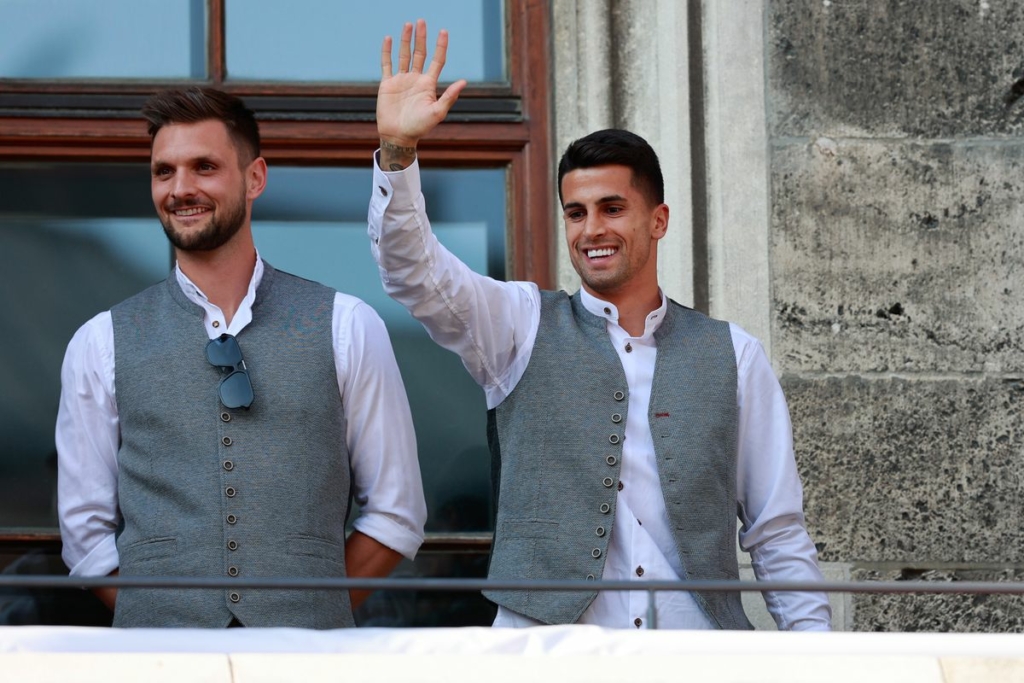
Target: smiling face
{"points": [[201, 191], [612, 229]]}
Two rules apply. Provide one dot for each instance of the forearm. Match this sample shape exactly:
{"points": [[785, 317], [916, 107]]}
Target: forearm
{"points": [[367, 558], [107, 595]]}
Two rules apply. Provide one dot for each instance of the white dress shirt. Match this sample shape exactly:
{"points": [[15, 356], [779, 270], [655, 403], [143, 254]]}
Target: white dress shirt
{"points": [[385, 481], [493, 325]]}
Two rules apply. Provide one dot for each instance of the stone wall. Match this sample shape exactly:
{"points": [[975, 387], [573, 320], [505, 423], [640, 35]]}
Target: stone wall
{"points": [[896, 248]]}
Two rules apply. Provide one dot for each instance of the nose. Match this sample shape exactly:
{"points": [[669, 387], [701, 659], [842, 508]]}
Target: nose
{"points": [[593, 225], [182, 185]]}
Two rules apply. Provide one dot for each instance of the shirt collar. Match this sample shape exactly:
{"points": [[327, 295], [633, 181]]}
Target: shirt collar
{"points": [[608, 311], [196, 295]]}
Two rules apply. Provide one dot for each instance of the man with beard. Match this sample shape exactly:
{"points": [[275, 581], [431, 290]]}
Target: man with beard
{"points": [[219, 423], [627, 432]]}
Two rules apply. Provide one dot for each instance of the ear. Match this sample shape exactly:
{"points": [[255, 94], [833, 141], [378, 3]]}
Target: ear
{"points": [[659, 222], [255, 178]]}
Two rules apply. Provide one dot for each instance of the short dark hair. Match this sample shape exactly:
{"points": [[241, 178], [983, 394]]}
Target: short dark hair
{"points": [[195, 104], [614, 146]]}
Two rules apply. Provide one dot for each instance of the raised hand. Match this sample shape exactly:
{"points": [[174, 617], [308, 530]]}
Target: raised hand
{"points": [[407, 103]]}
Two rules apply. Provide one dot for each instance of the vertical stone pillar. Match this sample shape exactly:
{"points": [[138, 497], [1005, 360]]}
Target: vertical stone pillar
{"points": [[623, 64]]}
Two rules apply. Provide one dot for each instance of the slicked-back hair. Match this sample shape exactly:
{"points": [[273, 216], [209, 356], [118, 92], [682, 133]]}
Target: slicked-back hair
{"points": [[616, 147], [195, 104]]}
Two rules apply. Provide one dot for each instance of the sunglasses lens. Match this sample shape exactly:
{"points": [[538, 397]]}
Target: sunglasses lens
{"points": [[236, 390], [224, 352]]}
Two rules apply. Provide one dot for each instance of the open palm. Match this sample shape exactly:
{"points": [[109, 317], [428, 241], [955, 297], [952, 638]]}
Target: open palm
{"points": [[407, 103]]}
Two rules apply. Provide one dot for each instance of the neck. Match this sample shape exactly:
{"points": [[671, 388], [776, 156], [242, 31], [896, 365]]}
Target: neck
{"points": [[222, 274], [633, 307]]}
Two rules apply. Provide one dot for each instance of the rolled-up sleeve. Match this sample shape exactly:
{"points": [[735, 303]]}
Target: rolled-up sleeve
{"points": [[87, 438], [386, 482]]}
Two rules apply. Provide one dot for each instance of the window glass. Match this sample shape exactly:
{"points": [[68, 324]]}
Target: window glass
{"points": [[150, 39], [76, 240], [311, 40]]}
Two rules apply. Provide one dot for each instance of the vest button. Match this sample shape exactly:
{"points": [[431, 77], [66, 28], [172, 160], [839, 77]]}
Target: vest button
{"points": [[614, 438], [600, 531], [230, 492], [590, 577], [607, 481], [596, 553], [234, 597], [232, 571], [618, 395], [616, 418], [606, 508], [226, 417], [228, 465], [232, 545], [226, 441], [232, 519], [611, 460]]}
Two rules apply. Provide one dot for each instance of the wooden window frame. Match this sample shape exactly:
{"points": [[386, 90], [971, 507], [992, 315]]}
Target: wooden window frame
{"points": [[493, 125]]}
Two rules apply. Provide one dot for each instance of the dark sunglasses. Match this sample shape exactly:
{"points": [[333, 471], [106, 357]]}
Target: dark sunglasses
{"points": [[235, 388]]}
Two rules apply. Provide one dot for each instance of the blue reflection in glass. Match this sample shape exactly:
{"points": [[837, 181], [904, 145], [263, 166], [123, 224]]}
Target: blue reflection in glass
{"points": [[312, 40], [150, 39]]}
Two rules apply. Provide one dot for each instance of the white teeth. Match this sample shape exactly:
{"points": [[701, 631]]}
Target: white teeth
{"points": [[595, 253], [190, 212]]}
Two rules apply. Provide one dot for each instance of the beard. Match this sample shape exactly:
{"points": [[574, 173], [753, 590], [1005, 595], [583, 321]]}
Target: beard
{"points": [[215, 234]]}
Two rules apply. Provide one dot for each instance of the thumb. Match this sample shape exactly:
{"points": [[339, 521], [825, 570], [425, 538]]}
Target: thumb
{"points": [[450, 95]]}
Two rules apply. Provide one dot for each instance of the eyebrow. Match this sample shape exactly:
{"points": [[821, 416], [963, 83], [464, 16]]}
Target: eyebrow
{"points": [[204, 159], [603, 200]]}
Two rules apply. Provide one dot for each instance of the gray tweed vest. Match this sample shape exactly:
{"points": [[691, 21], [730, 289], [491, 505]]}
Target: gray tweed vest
{"points": [[556, 444], [206, 491]]}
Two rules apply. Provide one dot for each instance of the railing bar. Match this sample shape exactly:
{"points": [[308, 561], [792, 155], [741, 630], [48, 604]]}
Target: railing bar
{"points": [[434, 584]]}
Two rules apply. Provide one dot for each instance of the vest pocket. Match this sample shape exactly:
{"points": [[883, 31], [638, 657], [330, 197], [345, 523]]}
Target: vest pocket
{"points": [[314, 546], [148, 550]]}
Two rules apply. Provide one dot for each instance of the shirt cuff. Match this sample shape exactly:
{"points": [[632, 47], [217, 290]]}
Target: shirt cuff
{"points": [[100, 561], [387, 531]]}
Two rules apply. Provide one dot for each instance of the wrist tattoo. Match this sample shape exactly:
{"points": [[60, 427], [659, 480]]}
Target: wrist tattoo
{"points": [[396, 157], [397, 149]]}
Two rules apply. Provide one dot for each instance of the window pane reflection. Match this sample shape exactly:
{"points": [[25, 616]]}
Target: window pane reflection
{"points": [[102, 39], [64, 259], [311, 40]]}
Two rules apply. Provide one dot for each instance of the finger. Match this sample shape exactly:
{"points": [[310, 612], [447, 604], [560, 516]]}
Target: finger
{"points": [[419, 54], [450, 95], [440, 54], [385, 58], [403, 48]]}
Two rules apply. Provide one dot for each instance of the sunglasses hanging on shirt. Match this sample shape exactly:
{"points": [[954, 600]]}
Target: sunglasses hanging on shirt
{"points": [[235, 389]]}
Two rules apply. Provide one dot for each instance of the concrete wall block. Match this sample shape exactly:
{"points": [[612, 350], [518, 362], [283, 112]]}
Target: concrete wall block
{"points": [[959, 613], [896, 68], [891, 257], [911, 471]]}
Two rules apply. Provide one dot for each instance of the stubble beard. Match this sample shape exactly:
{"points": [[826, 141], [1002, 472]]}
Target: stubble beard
{"points": [[214, 235]]}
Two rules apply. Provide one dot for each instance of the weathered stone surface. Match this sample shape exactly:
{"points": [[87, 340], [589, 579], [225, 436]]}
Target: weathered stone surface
{"points": [[898, 257], [942, 612], [911, 471], [896, 68]]}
